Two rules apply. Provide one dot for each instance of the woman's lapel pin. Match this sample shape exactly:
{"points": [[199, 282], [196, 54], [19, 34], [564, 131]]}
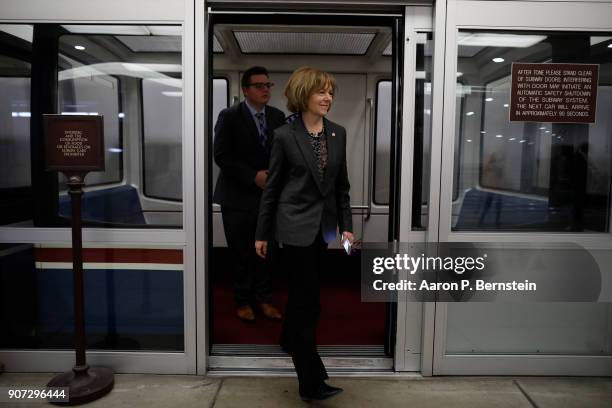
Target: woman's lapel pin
{"points": [[333, 134]]}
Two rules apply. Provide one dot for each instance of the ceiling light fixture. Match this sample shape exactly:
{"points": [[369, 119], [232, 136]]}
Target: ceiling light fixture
{"points": [[498, 40]]}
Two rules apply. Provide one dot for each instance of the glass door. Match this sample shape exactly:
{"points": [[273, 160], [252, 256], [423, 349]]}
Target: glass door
{"points": [[524, 184]]}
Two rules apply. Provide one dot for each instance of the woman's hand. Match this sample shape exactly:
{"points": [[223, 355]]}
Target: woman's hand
{"points": [[261, 247], [349, 236]]}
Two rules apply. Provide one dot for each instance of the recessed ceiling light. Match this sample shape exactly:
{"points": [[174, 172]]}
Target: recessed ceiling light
{"points": [[483, 132], [548, 131], [498, 59], [107, 29], [512, 138], [610, 45], [506, 105], [498, 136], [498, 40], [459, 74], [173, 94], [522, 141], [469, 114], [543, 128], [80, 113], [79, 47], [488, 99], [469, 140]]}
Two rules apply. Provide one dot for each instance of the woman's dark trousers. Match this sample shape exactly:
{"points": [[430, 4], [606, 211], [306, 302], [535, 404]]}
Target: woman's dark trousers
{"points": [[298, 336]]}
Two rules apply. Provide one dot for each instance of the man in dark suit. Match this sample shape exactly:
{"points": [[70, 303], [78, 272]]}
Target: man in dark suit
{"points": [[242, 152]]}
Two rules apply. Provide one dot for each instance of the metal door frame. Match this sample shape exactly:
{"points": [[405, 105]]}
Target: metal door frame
{"points": [[408, 338], [411, 316]]}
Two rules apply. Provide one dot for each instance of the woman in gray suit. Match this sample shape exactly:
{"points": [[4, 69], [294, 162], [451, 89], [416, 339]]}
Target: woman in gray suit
{"points": [[304, 204]]}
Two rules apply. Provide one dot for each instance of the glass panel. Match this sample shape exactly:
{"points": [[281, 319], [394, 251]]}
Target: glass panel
{"points": [[220, 101], [15, 131], [384, 94], [162, 138], [422, 130], [133, 298], [529, 175], [15, 173], [553, 328], [135, 82]]}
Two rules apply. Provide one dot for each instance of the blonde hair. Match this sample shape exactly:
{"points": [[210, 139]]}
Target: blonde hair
{"points": [[304, 82]]}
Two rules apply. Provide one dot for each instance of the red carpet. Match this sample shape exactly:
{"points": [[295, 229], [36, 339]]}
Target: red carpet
{"points": [[344, 319]]}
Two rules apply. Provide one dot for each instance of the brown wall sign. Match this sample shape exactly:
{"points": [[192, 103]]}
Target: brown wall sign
{"points": [[74, 143], [561, 93]]}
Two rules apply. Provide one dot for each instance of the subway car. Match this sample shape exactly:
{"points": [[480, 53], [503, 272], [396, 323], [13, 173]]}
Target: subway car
{"points": [[425, 92]]}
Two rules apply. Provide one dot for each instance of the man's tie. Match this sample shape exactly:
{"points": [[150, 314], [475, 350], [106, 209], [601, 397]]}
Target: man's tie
{"points": [[263, 132]]}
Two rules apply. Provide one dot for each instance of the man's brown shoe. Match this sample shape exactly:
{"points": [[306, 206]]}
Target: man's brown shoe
{"points": [[246, 313], [270, 311]]}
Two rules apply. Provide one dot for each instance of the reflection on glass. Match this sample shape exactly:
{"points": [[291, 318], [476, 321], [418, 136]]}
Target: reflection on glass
{"points": [[529, 175], [134, 79], [15, 129], [15, 165], [95, 95]]}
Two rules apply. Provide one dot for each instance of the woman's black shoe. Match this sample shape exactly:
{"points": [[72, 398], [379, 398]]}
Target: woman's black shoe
{"points": [[324, 391]]}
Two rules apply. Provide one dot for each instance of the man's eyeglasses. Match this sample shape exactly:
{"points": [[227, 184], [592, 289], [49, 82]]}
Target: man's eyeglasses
{"points": [[262, 85]]}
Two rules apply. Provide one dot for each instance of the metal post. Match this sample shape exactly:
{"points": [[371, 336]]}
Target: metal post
{"points": [[76, 192], [84, 383]]}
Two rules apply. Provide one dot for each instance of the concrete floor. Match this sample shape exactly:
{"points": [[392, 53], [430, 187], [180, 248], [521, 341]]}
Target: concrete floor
{"points": [[161, 391]]}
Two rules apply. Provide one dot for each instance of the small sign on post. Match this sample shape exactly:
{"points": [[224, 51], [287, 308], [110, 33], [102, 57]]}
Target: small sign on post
{"points": [[550, 92], [74, 145]]}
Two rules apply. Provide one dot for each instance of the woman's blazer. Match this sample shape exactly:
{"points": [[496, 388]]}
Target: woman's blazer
{"points": [[296, 204]]}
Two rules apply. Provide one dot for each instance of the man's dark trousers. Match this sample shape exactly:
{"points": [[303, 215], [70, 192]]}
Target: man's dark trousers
{"points": [[251, 276]]}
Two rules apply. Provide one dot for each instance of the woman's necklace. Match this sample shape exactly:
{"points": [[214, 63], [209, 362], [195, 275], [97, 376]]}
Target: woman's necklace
{"points": [[316, 133]]}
